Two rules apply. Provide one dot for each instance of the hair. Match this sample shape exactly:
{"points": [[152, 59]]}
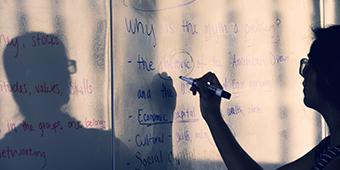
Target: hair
{"points": [[325, 59]]}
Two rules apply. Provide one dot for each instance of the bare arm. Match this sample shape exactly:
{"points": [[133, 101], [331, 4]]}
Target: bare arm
{"points": [[233, 155]]}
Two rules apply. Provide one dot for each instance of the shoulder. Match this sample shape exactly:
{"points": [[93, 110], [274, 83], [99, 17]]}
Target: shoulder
{"points": [[304, 162], [333, 165], [308, 160]]}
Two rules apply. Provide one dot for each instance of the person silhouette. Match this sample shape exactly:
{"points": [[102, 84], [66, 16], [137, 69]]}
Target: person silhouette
{"points": [[164, 102], [321, 93], [48, 138], [156, 138]]}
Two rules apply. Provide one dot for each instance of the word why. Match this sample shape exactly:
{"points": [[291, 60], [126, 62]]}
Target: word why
{"points": [[14, 46], [138, 27], [10, 43]]}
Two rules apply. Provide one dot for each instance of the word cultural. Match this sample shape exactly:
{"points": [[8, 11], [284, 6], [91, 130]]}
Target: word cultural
{"points": [[149, 139]]}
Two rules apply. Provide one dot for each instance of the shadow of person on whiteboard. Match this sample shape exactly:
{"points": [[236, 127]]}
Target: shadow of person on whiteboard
{"points": [[321, 92], [38, 72], [163, 103]]}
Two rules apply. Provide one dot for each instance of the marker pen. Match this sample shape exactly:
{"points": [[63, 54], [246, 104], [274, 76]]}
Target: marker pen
{"points": [[219, 92]]}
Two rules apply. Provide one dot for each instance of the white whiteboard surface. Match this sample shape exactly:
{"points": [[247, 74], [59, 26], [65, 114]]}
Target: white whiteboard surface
{"points": [[55, 107], [254, 47]]}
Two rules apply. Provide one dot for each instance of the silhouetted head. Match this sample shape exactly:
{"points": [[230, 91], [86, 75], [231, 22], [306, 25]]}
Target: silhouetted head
{"points": [[36, 67], [322, 71]]}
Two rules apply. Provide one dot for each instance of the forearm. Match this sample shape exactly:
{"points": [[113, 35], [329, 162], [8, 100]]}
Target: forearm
{"points": [[233, 155]]}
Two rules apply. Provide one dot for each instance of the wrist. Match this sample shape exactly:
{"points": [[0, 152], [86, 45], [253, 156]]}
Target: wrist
{"points": [[213, 116]]}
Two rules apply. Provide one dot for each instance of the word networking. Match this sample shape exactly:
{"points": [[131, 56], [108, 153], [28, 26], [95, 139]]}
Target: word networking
{"points": [[8, 153]]}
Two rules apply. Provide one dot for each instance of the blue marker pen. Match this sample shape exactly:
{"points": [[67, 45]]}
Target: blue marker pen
{"points": [[219, 92]]}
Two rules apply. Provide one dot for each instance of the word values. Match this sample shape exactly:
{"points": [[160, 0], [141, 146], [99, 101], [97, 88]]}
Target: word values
{"points": [[48, 88], [138, 27]]}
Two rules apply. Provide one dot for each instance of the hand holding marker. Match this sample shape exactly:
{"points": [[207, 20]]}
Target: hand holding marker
{"points": [[219, 92]]}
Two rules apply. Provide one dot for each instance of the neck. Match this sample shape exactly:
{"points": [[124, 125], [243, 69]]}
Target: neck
{"points": [[332, 118]]}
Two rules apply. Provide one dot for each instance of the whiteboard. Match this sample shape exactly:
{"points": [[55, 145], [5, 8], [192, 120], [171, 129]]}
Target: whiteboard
{"points": [[55, 85], [253, 47]]}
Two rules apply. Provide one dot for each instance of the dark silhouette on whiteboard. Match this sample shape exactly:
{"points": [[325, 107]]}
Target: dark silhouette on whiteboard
{"points": [[38, 71]]}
